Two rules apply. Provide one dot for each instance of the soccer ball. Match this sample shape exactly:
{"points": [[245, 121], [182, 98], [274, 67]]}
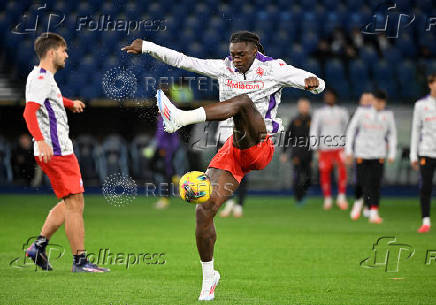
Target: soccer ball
{"points": [[194, 187]]}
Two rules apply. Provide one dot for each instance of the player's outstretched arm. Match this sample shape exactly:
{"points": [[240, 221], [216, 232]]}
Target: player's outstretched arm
{"points": [[209, 67], [289, 76]]}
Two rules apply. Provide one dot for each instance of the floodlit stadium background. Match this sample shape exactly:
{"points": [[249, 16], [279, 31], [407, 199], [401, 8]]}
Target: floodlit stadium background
{"points": [[354, 45]]}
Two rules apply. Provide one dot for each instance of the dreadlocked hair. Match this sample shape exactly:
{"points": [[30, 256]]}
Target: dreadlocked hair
{"points": [[246, 36]]}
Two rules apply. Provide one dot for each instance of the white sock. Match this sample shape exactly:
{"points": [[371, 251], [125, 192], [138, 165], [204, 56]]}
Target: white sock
{"points": [[207, 269], [426, 221], [191, 116], [374, 213]]}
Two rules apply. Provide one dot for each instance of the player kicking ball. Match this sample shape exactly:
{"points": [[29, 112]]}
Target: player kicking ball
{"points": [[46, 120], [250, 86]]}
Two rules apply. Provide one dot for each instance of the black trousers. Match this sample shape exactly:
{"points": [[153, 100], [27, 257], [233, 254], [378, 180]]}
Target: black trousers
{"points": [[358, 190], [302, 176], [370, 175], [427, 168]]}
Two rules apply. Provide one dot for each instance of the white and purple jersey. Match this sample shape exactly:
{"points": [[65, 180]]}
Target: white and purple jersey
{"points": [[263, 82], [42, 88]]}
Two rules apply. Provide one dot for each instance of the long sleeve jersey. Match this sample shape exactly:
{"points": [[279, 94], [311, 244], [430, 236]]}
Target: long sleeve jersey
{"points": [[328, 128], [263, 81], [423, 139], [373, 134]]}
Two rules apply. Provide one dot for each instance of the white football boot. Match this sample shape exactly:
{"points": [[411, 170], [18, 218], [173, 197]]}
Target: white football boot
{"points": [[208, 288], [357, 209], [366, 212], [328, 203], [168, 112], [237, 211], [342, 202], [228, 208]]}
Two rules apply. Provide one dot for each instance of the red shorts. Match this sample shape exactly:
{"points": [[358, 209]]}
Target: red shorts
{"points": [[64, 175], [330, 157], [240, 161]]}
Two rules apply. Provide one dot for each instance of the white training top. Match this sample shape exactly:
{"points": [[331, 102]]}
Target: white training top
{"points": [[42, 88], [263, 82], [423, 139], [374, 131], [328, 128]]}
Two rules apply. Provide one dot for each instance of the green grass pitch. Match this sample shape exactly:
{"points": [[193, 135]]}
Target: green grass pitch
{"points": [[276, 254]]}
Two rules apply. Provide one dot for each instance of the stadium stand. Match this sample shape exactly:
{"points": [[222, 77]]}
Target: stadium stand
{"points": [[290, 30]]}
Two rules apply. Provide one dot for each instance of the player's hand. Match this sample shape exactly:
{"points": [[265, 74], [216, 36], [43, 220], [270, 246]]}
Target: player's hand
{"points": [[135, 47], [78, 106], [311, 83], [349, 160], [391, 160], [415, 165], [45, 151], [283, 158]]}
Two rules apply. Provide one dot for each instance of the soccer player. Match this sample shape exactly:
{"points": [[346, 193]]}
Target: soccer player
{"points": [[327, 134], [250, 86], [375, 135], [47, 122], [423, 148], [365, 102], [297, 137]]}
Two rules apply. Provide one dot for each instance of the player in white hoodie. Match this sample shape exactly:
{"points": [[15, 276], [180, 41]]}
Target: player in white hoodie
{"points": [[375, 135]]}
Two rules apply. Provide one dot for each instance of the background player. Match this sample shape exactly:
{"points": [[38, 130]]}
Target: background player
{"points": [[297, 138], [327, 132], [423, 148], [47, 122], [373, 130], [166, 147], [365, 102], [250, 86]]}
